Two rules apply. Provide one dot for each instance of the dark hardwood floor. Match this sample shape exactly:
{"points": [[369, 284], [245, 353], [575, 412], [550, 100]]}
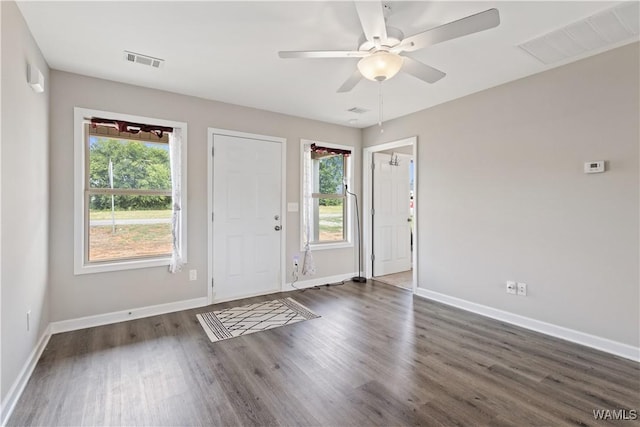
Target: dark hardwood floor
{"points": [[377, 356]]}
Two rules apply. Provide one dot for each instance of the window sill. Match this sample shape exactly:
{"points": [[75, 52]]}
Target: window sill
{"points": [[120, 265], [325, 246]]}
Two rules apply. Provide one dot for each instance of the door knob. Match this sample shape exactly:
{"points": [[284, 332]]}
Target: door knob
{"points": [[277, 228]]}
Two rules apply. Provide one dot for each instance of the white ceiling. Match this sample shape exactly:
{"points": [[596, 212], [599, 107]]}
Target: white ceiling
{"points": [[227, 51]]}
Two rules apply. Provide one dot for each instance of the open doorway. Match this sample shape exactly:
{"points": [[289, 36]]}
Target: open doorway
{"points": [[390, 213]]}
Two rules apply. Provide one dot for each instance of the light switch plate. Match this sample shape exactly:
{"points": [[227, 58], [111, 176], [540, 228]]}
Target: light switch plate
{"points": [[596, 166]]}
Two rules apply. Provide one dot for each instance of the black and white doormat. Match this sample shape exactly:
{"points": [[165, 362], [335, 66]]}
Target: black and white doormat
{"points": [[233, 322]]}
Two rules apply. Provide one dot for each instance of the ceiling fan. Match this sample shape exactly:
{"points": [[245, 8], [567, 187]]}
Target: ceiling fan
{"points": [[383, 50]]}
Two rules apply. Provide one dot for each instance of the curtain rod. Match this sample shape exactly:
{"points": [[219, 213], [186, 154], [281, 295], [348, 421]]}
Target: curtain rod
{"points": [[124, 126]]}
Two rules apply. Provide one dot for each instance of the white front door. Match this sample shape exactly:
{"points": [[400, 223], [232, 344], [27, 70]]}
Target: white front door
{"points": [[247, 221], [391, 226]]}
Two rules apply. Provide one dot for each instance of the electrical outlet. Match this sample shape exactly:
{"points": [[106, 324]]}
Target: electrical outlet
{"points": [[193, 274], [294, 273], [522, 289], [511, 287]]}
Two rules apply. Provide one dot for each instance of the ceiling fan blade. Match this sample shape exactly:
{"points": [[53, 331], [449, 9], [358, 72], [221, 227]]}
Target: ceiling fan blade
{"points": [[462, 27], [322, 54], [372, 19], [351, 82], [421, 71]]}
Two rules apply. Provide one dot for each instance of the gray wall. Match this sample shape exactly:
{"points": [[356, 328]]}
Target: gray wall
{"points": [[25, 197], [502, 195], [84, 295]]}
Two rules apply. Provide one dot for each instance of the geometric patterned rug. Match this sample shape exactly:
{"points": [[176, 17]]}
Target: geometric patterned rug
{"points": [[247, 319]]}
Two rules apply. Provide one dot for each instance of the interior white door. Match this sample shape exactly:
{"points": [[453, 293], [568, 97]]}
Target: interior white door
{"points": [[391, 226], [247, 188]]}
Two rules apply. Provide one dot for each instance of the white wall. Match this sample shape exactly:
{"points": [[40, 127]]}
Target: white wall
{"points": [[24, 197], [502, 195], [77, 296]]}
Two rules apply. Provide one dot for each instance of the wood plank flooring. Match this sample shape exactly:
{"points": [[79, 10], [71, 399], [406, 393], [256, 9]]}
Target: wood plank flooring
{"points": [[377, 356], [404, 279]]}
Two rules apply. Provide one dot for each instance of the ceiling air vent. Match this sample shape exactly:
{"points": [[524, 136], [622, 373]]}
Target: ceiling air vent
{"points": [[143, 59], [357, 110], [598, 31]]}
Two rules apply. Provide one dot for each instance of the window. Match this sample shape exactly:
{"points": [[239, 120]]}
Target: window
{"points": [[129, 192], [326, 206]]}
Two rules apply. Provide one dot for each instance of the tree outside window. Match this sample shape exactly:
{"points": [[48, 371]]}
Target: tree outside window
{"points": [[129, 199], [129, 192], [329, 198], [326, 209]]}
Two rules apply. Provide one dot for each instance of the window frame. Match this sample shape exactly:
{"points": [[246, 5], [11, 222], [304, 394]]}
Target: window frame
{"points": [[81, 188], [348, 209]]}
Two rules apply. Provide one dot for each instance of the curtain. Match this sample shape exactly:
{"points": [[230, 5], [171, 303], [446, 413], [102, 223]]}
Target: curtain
{"points": [[308, 265], [330, 151], [175, 158]]}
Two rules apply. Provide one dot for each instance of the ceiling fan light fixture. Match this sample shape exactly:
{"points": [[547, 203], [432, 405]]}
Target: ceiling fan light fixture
{"points": [[380, 66]]}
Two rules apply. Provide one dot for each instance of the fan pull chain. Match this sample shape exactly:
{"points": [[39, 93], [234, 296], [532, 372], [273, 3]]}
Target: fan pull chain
{"points": [[380, 106]]}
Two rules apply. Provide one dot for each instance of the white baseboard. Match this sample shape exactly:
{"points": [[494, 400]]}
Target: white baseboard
{"points": [[122, 316], [599, 343], [19, 384], [317, 281]]}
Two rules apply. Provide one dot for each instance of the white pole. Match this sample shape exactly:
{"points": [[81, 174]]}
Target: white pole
{"points": [[113, 214]]}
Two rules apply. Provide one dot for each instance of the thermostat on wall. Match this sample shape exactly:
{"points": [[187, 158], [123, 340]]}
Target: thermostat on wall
{"points": [[594, 167]]}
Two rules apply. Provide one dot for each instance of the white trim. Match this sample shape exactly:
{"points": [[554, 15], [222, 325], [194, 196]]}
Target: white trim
{"points": [[79, 265], [124, 315], [12, 397], [283, 215], [130, 264], [324, 246], [301, 211], [287, 287], [211, 132], [318, 281], [598, 343], [210, 216], [367, 187], [237, 134]]}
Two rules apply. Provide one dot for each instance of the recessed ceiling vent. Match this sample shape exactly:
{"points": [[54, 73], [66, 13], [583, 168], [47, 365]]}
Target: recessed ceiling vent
{"points": [[357, 110], [598, 31], [143, 59]]}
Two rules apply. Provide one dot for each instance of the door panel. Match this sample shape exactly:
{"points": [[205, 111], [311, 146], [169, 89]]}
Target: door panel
{"points": [[391, 228], [247, 188]]}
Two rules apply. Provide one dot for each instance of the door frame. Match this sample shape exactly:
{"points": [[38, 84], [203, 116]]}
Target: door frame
{"points": [[367, 188], [211, 132]]}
